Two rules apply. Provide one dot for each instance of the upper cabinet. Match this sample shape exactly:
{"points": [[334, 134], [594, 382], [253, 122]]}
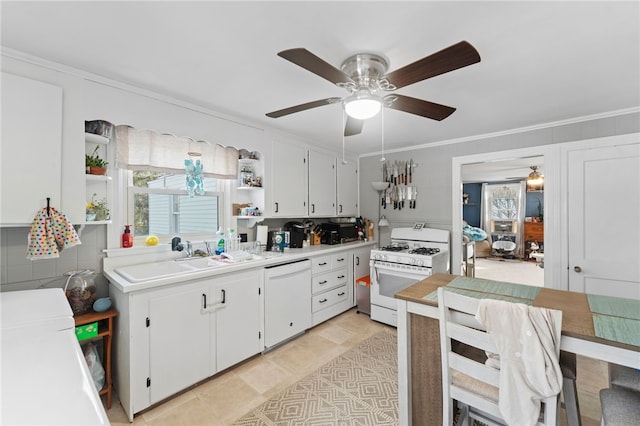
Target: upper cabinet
{"points": [[322, 184], [31, 149], [347, 188], [288, 186]]}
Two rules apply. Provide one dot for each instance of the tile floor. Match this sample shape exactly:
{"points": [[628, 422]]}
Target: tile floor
{"points": [[229, 395]]}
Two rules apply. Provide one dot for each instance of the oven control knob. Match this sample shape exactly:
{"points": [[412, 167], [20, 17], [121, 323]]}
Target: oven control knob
{"points": [[420, 262], [414, 262]]}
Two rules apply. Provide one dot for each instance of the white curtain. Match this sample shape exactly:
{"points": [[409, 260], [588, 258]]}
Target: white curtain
{"points": [[504, 202], [149, 150]]}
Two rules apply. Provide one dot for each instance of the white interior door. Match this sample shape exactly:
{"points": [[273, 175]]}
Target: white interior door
{"points": [[604, 220]]}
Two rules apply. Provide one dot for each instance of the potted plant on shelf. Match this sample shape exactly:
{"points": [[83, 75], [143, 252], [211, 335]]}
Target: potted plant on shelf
{"points": [[94, 164], [97, 209]]}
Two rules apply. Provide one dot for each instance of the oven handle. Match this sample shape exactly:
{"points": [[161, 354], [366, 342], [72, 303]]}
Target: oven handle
{"points": [[399, 273]]}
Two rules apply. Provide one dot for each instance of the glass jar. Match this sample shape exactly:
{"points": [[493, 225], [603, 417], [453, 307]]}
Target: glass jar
{"points": [[80, 290]]}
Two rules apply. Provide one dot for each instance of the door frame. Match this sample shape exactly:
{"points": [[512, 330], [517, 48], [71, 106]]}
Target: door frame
{"points": [[554, 275]]}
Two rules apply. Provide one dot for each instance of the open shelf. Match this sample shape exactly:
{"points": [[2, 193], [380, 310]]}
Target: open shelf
{"points": [[93, 138]]}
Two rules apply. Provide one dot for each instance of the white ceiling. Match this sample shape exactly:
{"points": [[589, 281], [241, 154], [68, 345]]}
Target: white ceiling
{"points": [[542, 62]]}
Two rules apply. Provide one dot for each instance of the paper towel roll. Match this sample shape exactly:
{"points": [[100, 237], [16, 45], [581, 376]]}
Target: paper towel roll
{"points": [[261, 234]]}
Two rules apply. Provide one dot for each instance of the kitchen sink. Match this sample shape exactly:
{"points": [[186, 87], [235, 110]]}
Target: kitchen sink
{"points": [[175, 267], [155, 270]]}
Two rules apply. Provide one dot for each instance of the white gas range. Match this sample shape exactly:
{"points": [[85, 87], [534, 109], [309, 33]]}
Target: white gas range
{"points": [[413, 255]]}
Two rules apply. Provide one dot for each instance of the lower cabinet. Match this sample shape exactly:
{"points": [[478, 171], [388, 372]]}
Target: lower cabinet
{"points": [[179, 340], [331, 286], [171, 338]]}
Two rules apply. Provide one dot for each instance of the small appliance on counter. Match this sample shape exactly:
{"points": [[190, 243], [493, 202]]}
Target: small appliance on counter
{"points": [[336, 233], [297, 234]]}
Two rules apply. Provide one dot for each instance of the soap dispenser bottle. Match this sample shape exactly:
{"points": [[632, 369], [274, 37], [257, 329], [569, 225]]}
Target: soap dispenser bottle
{"points": [[127, 237]]}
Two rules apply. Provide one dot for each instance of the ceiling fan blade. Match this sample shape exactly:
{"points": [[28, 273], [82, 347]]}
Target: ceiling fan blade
{"points": [[448, 59], [353, 126], [419, 107], [302, 107], [307, 60]]}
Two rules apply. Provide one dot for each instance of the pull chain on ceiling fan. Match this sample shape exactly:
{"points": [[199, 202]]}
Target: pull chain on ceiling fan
{"points": [[364, 76]]}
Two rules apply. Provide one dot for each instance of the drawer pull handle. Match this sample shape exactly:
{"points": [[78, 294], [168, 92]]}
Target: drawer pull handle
{"points": [[322, 301], [322, 264], [342, 293], [340, 260], [322, 282], [340, 277]]}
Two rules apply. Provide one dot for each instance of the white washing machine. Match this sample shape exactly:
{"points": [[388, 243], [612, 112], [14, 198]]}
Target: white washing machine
{"points": [[45, 379]]}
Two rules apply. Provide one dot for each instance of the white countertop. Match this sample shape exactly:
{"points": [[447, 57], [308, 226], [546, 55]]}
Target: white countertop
{"points": [[289, 255], [45, 378]]}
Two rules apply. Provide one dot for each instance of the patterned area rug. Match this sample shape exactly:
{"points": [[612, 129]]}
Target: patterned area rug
{"points": [[359, 387]]}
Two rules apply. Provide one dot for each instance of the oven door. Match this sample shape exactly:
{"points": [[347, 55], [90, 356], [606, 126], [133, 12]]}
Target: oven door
{"points": [[388, 279]]}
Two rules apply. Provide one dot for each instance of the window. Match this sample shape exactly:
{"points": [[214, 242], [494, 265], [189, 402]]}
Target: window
{"points": [[159, 205]]}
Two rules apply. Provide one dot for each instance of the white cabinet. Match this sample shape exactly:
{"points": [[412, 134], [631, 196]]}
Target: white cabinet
{"points": [[31, 148], [347, 188], [179, 340], [287, 295], [238, 317], [332, 291], [288, 184], [173, 337], [322, 184]]}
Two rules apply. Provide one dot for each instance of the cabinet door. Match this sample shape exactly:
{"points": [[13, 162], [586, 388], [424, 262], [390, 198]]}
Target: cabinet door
{"points": [[322, 184], [347, 188], [288, 186], [238, 318], [179, 337], [31, 148]]}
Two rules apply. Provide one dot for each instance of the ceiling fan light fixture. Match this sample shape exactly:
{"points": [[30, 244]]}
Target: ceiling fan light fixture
{"points": [[362, 106], [535, 180]]}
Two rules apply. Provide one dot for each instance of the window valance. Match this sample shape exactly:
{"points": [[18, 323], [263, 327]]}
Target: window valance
{"points": [[146, 149]]}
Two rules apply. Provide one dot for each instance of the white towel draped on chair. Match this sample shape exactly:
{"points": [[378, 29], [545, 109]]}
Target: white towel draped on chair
{"points": [[528, 341]]}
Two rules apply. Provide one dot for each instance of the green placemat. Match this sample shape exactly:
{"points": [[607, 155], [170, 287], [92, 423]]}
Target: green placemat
{"points": [[614, 306], [433, 296], [520, 291], [623, 330]]}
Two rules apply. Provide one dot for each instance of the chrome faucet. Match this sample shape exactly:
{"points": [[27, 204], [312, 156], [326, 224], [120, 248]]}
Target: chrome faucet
{"points": [[176, 245]]}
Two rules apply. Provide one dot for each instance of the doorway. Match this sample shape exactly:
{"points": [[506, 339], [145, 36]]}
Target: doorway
{"points": [[509, 166]]}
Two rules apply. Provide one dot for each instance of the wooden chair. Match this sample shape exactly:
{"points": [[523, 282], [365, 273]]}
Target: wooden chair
{"points": [[474, 385]]}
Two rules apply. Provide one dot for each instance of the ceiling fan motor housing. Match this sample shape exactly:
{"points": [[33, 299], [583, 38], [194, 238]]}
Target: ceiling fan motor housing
{"points": [[366, 70]]}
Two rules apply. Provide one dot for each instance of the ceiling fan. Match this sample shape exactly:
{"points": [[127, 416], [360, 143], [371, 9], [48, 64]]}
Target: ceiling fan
{"points": [[364, 76]]}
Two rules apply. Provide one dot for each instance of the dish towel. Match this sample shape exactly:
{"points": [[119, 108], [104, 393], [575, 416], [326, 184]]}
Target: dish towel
{"points": [[50, 234], [529, 367]]}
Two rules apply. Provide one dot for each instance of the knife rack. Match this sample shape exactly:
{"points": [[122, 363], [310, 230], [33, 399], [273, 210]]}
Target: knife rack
{"points": [[402, 192]]}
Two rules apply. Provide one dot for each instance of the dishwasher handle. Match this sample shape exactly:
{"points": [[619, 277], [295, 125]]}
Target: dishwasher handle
{"points": [[283, 269]]}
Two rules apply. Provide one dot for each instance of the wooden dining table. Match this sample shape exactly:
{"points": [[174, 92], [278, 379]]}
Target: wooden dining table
{"points": [[599, 327]]}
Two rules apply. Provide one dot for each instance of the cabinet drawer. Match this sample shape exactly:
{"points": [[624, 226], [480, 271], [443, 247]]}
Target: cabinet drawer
{"points": [[321, 282], [329, 298], [339, 260], [320, 264]]}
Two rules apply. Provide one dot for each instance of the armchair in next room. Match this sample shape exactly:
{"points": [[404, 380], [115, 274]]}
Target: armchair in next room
{"points": [[483, 242]]}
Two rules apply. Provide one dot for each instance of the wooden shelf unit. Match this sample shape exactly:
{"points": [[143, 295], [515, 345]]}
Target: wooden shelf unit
{"points": [[105, 332], [533, 231]]}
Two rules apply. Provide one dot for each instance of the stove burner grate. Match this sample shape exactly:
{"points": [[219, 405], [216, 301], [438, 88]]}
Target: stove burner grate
{"points": [[425, 251], [395, 247]]}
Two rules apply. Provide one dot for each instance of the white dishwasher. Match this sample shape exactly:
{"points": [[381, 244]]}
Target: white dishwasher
{"points": [[287, 296]]}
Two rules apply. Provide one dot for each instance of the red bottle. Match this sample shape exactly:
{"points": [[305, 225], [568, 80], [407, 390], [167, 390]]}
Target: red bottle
{"points": [[127, 237]]}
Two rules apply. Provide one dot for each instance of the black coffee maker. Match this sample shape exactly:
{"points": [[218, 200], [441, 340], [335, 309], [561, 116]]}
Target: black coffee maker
{"points": [[297, 234]]}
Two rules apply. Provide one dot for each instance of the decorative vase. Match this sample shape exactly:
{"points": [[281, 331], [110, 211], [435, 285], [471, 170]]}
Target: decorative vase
{"points": [[90, 216]]}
